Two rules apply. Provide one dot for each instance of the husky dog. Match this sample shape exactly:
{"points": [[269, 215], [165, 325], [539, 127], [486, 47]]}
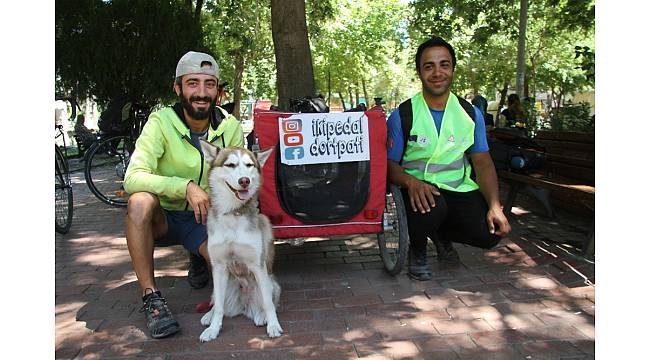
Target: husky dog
{"points": [[240, 242]]}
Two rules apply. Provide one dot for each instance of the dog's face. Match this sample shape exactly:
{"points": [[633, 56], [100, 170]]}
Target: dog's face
{"points": [[237, 168]]}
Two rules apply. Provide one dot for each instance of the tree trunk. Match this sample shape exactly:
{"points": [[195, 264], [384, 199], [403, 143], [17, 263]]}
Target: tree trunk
{"points": [[552, 100], [239, 71], [530, 81], [350, 95], [526, 83], [356, 94], [197, 10], [521, 47], [365, 91], [329, 87], [503, 94], [502, 101], [342, 100], [295, 73]]}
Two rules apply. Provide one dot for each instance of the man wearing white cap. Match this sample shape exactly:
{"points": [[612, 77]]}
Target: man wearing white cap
{"points": [[167, 178]]}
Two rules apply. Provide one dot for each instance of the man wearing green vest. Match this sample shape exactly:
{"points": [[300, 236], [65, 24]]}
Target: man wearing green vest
{"points": [[167, 178], [433, 166]]}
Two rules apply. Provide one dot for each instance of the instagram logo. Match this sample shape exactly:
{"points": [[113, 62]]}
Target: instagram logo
{"points": [[294, 153], [294, 125], [292, 139]]}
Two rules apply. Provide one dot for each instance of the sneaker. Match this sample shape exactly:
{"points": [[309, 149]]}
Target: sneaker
{"points": [[160, 321], [418, 267], [198, 275], [446, 252]]}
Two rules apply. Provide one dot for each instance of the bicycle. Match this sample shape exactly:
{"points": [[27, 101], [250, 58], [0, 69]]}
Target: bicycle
{"points": [[63, 199], [107, 160]]}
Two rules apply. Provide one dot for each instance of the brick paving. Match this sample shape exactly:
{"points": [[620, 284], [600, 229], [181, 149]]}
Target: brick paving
{"points": [[531, 297]]}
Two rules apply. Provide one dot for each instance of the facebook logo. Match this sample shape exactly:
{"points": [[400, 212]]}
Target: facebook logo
{"points": [[294, 153]]}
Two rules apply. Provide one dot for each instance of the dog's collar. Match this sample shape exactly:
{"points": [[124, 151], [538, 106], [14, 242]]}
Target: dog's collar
{"points": [[236, 212], [242, 211]]}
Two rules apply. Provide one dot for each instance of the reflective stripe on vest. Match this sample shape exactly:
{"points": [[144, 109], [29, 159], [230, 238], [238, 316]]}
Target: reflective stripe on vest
{"points": [[422, 166]]}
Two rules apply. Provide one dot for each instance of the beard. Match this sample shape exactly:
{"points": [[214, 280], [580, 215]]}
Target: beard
{"points": [[436, 91], [198, 114]]}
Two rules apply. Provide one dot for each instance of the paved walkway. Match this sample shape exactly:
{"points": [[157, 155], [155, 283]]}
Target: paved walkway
{"points": [[529, 298]]}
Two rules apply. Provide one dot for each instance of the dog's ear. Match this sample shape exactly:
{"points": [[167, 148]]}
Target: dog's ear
{"points": [[263, 155], [209, 151]]}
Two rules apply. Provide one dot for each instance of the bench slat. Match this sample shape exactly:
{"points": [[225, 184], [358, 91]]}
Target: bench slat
{"points": [[570, 160], [574, 174], [570, 136], [569, 148], [551, 184]]}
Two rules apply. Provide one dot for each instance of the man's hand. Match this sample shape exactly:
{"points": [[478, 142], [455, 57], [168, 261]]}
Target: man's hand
{"points": [[199, 201], [421, 195], [497, 221]]}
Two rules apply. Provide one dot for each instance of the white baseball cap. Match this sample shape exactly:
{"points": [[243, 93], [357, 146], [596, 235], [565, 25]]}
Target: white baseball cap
{"points": [[191, 62]]}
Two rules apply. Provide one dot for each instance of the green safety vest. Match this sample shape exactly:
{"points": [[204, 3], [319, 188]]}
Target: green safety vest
{"points": [[440, 159]]}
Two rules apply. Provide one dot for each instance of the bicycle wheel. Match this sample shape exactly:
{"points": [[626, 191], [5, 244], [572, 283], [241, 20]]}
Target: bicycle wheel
{"points": [[62, 194], [105, 167], [394, 240]]}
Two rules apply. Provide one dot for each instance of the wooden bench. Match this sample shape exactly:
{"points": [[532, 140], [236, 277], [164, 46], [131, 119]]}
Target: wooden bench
{"points": [[567, 177]]}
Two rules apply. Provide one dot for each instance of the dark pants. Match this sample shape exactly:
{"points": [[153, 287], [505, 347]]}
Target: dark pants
{"points": [[457, 217]]}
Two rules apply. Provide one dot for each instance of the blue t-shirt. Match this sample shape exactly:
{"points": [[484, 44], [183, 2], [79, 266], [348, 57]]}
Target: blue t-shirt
{"points": [[396, 139]]}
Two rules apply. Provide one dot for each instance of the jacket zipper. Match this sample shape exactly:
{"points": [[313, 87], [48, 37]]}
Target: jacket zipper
{"points": [[187, 203]]}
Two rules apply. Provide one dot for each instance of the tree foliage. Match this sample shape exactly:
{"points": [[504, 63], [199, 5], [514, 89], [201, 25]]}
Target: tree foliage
{"points": [[484, 34], [360, 48], [239, 34], [108, 48]]}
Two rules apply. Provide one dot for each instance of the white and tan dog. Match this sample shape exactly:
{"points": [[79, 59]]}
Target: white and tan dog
{"points": [[240, 242]]}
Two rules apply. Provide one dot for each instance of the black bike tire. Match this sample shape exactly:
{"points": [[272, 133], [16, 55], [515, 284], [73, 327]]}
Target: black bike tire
{"points": [[88, 171], [62, 181], [393, 263]]}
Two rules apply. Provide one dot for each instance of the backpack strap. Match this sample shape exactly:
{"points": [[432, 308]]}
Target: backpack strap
{"points": [[406, 117], [469, 108]]}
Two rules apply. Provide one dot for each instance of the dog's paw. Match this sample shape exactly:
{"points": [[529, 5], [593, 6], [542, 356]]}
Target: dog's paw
{"points": [[209, 334], [259, 319], [206, 319], [274, 330]]}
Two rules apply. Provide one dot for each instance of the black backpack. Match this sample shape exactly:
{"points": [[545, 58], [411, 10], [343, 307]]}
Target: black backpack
{"points": [[308, 104], [406, 116], [117, 119]]}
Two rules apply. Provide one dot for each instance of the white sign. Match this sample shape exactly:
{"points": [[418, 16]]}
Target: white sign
{"points": [[317, 138]]}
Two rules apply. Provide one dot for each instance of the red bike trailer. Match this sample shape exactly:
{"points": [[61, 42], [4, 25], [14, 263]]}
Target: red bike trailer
{"points": [[321, 200]]}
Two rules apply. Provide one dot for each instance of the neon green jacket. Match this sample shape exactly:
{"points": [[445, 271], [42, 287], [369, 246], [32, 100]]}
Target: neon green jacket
{"points": [[165, 160]]}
